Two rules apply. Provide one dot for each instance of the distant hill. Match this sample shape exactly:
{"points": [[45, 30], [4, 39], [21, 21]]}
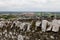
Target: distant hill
{"points": [[37, 13]]}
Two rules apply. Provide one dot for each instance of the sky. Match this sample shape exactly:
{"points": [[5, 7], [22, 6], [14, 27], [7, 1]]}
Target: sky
{"points": [[30, 5]]}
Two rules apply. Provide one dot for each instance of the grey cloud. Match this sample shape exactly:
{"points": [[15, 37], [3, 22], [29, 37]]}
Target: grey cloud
{"points": [[30, 5]]}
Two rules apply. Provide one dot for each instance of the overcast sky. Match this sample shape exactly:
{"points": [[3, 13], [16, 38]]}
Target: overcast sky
{"points": [[29, 5]]}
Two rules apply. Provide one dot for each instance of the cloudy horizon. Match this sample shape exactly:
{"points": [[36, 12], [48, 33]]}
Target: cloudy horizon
{"points": [[30, 5]]}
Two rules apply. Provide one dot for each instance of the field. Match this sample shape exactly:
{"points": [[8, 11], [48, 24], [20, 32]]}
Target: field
{"points": [[8, 15]]}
